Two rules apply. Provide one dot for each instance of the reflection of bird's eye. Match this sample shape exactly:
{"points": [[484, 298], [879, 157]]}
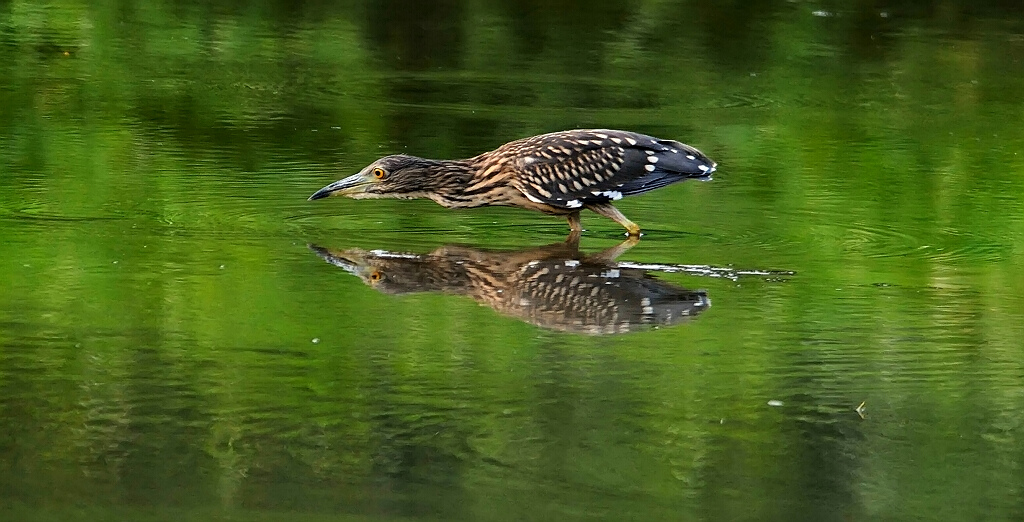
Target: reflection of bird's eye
{"points": [[378, 173], [376, 276]]}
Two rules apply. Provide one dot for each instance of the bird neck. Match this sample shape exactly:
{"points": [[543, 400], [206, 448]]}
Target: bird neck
{"points": [[442, 176], [446, 174], [445, 181]]}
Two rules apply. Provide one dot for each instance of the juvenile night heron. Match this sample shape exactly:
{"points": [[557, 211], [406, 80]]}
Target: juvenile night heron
{"points": [[559, 173], [553, 286]]}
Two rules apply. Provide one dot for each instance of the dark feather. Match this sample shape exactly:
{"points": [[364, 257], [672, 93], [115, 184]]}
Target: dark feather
{"points": [[572, 169]]}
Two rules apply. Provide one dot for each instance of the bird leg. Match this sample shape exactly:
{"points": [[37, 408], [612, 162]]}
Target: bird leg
{"points": [[575, 228], [612, 213], [608, 255]]}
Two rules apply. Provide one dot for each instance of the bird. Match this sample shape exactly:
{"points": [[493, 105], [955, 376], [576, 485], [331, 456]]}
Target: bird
{"points": [[559, 173], [553, 286]]}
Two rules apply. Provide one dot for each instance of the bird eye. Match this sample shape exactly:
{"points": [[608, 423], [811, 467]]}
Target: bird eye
{"points": [[378, 173], [376, 275]]}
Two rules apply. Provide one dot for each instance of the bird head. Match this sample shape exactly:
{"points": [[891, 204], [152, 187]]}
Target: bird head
{"points": [[397, 176], [391, 272]]}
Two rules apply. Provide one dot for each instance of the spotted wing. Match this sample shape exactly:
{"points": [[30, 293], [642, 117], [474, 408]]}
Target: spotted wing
{"points": [[577, 168]]}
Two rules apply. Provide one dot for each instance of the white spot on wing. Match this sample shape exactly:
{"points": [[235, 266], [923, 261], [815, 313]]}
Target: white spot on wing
{"points": [[617, 140], [631, 141], [703, 168], [574, 204], [653, 159], [610, 194], [650, 168], [690, 157], [602, 136]]}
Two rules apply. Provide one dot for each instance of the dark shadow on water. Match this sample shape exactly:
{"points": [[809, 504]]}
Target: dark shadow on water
{"points": [[553, 286]]}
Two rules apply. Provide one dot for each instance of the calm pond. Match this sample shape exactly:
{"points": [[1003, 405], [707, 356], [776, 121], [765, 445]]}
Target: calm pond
{"points": [[830, 330]]}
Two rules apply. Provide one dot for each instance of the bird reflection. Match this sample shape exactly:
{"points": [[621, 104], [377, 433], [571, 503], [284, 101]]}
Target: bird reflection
{"points": [[553, 286]]}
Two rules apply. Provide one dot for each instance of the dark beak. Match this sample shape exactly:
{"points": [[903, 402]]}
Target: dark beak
{"points": [[349, 261], [350, 185]]}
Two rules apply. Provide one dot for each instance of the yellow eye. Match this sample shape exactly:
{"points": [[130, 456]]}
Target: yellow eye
{"points": [[378, 173], [376, 276]]}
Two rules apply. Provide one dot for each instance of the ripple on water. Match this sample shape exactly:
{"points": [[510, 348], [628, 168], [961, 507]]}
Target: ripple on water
{"points": [[943, 245], [877, 241]]}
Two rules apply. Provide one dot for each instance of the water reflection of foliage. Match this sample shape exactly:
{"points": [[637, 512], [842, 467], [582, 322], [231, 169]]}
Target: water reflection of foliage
{"points": [[854, 141]]}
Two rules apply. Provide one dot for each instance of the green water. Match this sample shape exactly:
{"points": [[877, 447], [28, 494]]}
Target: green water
{"points": [[172, 349]]}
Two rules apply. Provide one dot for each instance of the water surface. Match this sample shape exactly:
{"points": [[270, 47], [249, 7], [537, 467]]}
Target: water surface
{"points": [[172, 348]]}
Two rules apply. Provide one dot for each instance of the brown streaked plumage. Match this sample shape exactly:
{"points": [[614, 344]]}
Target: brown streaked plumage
{"points": [[559, 173], [553, 286]]}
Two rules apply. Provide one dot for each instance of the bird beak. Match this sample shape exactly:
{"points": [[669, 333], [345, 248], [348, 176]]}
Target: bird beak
{"points": [[353, 184], [355, 261], [352, 261]]}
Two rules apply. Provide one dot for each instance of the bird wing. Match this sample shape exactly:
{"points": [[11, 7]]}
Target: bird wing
{"points": [[572, 169]]}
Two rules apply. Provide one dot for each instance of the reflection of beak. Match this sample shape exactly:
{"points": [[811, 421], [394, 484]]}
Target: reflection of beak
{"points": [[353, 184], [352, 261]]}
